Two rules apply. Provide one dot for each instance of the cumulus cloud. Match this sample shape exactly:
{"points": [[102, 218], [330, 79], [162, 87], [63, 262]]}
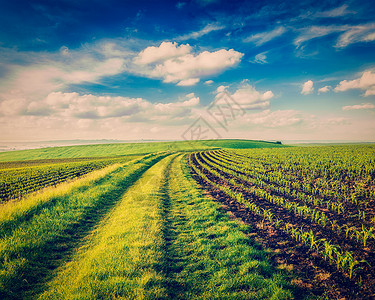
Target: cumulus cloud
{"points": [[366, 82], [188, 82], [324, 89], [307, 88], [166, 50], [209, 82], [42, 73], [359, 106], [278, 118], [264, 37], [247, 97], [67, 106], [176, 64]]}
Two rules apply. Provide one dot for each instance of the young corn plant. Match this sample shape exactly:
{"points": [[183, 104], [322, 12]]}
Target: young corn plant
{"points": [[314, 241], [352, 265], [361, 215], [328, 251], [277, 222], [365, 234]]}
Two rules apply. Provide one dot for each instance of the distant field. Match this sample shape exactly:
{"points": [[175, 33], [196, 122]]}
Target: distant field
{"points": [[129, 149], [218, 219]]}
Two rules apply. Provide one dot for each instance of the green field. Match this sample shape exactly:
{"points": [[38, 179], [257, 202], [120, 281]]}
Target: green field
{"points": [[224, 219], [128, 149]]}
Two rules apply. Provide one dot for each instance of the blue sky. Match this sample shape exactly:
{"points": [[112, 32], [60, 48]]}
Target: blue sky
{"points": [[294, 70]]}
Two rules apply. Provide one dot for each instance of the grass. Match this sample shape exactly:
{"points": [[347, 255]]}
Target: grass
{"points": [[39, 244], [13, 213], [119, 259], [101, 150], [140, 230], [165, 240], [210, 256]]}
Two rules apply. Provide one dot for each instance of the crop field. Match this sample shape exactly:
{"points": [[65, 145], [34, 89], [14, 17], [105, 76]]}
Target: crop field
{"points": [[228, 219], [313, 206]]}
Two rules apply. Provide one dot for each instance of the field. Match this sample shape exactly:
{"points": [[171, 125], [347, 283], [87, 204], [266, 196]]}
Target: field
{"points": [[227, 219]]}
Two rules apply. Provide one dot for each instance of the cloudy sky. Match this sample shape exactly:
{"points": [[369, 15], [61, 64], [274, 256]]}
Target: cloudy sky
{"points": [[272, 70]]}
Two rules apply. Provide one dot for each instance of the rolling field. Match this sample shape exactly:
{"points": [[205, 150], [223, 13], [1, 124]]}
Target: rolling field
{"points": [[228, 219]]}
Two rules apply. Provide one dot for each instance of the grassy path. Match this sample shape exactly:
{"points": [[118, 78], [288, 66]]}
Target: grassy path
{"points": [[122, 257], [209, 256], [140, 232], [47, 231]]}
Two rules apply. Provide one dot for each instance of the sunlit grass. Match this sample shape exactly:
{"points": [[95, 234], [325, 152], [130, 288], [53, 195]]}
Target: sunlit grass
{"points": [[211, 257], [44, 239], [119, 258], [12, 211]]}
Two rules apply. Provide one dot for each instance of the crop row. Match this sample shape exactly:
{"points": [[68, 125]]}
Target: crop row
{"points": [[306, 177], [344, 260], [355, 199], [18, 182], [298, 202], [317, 216]]}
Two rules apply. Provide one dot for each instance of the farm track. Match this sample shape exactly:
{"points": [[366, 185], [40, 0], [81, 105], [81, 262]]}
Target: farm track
{"points": [[316, 274], [46, 238], [164, 240]]}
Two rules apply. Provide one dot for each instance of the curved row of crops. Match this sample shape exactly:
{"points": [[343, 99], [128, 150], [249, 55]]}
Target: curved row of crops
{"points": [[17, 182], [322, 197]]}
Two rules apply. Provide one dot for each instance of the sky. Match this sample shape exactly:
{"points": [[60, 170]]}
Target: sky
{"points": [[180, 70]]}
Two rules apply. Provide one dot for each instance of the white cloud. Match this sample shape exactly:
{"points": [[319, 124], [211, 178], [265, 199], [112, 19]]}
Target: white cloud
{"points": [[366, 82], [197, 34], [356, 34], [177, 64], [247, 97], [221, 88], [209, 82], [324, 89], [278, 118], [108, 67], [166, 50], [188, 82], [43, 73], [335, 12], [261, 58], [68, 106], [359, 106], [264, 37], [348, 34], [313, 32], [307, 88]]}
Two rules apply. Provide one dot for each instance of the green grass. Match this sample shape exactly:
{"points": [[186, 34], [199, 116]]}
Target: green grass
{"points": [[165, 240], [42, 240], [17, 182], [101, 150], [120, 257], [139, 230], [210, 256]]}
